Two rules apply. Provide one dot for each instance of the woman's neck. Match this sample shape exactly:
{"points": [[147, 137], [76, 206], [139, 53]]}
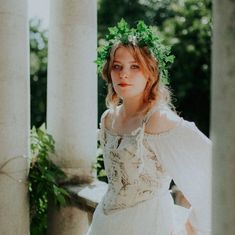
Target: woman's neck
{"points": [[131, 108]]}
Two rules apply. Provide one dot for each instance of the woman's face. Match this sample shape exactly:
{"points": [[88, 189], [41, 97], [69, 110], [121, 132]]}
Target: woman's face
{"points": [[127, 77]]}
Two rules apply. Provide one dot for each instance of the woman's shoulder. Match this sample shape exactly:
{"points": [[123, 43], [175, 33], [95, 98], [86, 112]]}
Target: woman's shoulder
{"points": [[163, 120], [106, 117]]}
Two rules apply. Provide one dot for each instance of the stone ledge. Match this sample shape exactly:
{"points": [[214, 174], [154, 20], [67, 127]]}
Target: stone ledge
{"points": [[88, 195]]}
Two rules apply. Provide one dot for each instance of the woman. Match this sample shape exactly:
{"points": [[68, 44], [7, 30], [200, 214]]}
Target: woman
{"points": [[146, 144]]}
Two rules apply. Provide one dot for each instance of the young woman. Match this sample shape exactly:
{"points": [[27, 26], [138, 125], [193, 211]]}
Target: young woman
{"points": [[146, 144]]}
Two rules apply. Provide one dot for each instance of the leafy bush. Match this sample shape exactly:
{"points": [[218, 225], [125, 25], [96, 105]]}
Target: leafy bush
{"points": [[38, 71], [44, 177]]}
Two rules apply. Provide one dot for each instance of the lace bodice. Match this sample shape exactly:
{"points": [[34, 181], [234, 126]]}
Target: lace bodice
{"points": [[134, 172]]}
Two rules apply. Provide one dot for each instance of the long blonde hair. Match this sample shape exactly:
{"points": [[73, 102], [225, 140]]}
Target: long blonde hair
{"points": [[155, 92]]}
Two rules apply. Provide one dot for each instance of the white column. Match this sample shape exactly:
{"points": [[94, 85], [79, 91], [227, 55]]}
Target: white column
{"points": [[72, 99], [223, 117], [14, 117], [72, 83]]}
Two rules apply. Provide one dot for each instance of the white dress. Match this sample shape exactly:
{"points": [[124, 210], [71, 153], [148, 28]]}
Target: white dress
{"points": [[140, 167]]}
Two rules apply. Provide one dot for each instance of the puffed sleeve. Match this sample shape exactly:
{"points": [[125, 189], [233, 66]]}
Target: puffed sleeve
{"points": [[186, 154]]}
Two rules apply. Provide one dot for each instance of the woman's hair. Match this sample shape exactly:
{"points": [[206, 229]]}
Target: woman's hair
{"points": [[155, 92]]}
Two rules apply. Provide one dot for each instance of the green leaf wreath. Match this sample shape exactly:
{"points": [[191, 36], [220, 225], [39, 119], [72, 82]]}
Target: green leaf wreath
{"points": [[140, 36]]}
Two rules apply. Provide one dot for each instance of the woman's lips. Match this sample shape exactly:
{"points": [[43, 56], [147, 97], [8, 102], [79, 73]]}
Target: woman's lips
{"points": [[124, 84]]}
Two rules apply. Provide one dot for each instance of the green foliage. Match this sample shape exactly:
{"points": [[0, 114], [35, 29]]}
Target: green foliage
{"points": [[38, 72], [152, 12], [189, 32], [44, 177], [110, 12]]}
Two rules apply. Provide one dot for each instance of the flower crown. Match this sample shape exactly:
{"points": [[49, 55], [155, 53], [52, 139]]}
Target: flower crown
{"points": [[140, 36]]}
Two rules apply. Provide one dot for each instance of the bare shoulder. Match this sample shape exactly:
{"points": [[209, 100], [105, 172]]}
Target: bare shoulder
{"points": [[161, 121]]}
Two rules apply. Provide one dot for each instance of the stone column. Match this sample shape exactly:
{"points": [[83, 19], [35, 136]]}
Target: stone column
{"points": [[14, 117], [72, 95], [72, 83], [223, 117]]}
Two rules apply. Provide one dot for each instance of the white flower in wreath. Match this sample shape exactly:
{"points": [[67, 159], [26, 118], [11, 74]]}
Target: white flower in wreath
{"points": [[132, 39]]}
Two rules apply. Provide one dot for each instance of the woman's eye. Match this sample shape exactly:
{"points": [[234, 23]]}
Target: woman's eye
{"points": [[116, 66], [135, 66]]}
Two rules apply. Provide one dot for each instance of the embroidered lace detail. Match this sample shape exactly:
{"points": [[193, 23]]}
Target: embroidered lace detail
{"points": [[134, 172]]}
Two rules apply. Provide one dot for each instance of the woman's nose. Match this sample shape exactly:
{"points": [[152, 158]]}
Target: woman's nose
{"points": [[124, 73]]}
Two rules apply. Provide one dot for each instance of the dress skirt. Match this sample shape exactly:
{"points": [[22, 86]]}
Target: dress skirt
{"points": [[156, 216]]}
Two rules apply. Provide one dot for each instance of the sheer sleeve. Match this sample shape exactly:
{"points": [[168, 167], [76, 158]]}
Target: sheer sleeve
{"points": [[185, 153]]}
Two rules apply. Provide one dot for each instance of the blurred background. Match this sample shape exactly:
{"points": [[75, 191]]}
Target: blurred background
{"points": [[185, 25]]}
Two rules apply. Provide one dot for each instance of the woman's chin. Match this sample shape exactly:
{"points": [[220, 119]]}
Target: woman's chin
{"points": [[127, 96], [127, 93]]}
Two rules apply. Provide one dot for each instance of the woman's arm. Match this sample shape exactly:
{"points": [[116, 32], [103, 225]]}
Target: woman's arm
{"points": [[185, 153]]}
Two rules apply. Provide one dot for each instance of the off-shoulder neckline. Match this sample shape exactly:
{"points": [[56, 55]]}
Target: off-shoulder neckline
{"points": [[146, 134]]}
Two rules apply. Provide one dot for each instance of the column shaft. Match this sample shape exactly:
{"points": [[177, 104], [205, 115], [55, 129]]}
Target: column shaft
{"points": [[14, 117], [72, 83], [72, 99], [223, 117]]}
